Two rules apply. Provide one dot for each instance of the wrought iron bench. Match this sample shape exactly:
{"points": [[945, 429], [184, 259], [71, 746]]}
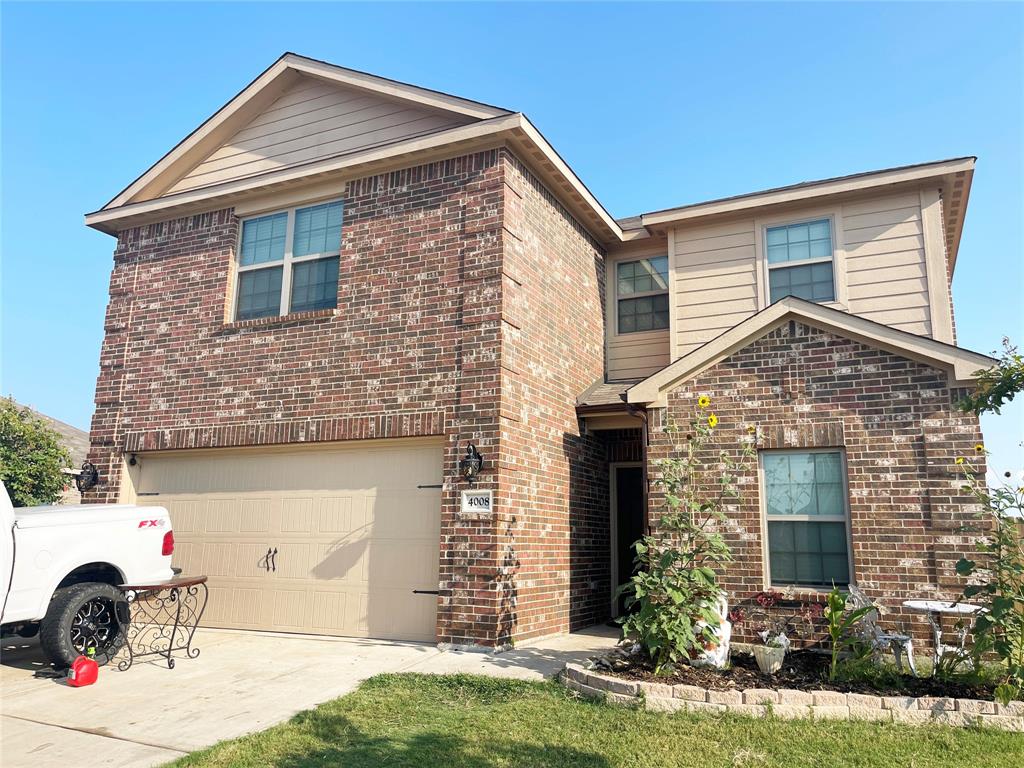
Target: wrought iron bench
{"points": [[163, 618]]}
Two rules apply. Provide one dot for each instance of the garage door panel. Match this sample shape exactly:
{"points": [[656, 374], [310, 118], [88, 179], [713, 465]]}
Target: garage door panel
{"points": [[297, 515], [354, 536], [396, 563], [406, 515], [291, 609], [335, 514]]}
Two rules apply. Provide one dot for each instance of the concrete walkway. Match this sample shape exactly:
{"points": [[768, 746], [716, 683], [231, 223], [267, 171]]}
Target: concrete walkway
{"points": [[242, 682]]}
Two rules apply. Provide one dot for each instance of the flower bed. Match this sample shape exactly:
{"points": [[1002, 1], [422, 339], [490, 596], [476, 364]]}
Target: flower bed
{"points": [[792, 703], [805, 670]]}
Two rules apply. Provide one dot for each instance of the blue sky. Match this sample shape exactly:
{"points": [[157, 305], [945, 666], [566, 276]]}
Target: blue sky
{"points": [[652, 105]]}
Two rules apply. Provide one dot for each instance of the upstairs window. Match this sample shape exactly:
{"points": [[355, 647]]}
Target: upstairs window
{"points": [[642, 294], [288, 262], [805, 504], [800, 261]]}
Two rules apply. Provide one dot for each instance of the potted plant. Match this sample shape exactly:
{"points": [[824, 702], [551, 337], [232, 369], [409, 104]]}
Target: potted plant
{"points": [[772, 653]]}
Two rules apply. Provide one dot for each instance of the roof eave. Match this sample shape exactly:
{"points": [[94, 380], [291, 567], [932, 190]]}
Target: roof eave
{"points": [[807, 191]]}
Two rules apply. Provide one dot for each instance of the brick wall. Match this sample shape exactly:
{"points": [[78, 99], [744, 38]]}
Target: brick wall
{"points": [[895, 419], [469, 307], [553, 499]]}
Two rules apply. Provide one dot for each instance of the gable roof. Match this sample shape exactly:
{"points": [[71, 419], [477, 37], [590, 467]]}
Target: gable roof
{"points": [[262, 92], [160, 192], [961, 364]]}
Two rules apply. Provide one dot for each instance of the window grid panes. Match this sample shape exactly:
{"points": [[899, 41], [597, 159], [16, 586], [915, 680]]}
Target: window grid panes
{"points": [[318, 229], [315, 285], [805, 506], [800, 261], [642, 291], [263, 239], [278, 268], [259, 293]]}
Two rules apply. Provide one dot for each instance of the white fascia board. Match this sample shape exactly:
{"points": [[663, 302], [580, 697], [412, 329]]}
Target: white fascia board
{"points": [[806, 191]]}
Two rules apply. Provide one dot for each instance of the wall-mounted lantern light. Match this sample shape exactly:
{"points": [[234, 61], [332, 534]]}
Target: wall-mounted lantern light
{"points": [[471, 463], [86, 477]]}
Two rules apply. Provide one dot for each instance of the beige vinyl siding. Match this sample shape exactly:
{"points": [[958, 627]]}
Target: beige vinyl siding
{"points": [[886, 273], [714, 278], [633, 355], [312, 120], [719, 277]]}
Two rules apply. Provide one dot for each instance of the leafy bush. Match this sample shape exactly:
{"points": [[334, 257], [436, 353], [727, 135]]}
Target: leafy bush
{"points": [[31, 457], [673, 596]]}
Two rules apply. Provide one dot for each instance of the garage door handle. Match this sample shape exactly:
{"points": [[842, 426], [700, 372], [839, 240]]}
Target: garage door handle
{"points": [[266, 561], [273, 560], [426, 592]]}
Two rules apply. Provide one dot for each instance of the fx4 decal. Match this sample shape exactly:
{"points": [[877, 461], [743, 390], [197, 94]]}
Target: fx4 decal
{"points": [[151, 523]]}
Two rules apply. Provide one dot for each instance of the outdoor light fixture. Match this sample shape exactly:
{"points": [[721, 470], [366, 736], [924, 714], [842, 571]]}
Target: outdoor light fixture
{"points": [[86, 477], [471, 463]]}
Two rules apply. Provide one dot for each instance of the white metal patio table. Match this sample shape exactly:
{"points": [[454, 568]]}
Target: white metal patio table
{"points": [[934, 610]]}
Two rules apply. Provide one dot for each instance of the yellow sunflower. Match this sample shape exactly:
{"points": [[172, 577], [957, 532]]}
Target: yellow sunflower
{"points": [[959, 459], [979, 448], [712, 420], [751, 429], [703, 401]]}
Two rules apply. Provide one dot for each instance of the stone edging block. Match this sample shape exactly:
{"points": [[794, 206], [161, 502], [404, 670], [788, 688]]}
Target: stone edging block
{"points": [[788, 703]]}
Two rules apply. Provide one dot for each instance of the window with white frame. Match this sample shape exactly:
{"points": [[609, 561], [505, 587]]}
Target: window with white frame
{"points": [[800, 261], [288, 261], [642, 294], [805, 504]]}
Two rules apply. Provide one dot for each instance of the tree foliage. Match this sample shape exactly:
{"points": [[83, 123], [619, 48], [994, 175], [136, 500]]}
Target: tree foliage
{"points": [[31, 457], [998, 385]]}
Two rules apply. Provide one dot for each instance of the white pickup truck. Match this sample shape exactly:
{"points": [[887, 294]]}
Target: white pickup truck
{"points": [[60, 567]]}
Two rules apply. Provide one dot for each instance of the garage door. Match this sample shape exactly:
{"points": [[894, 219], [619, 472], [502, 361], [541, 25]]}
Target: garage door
{"points": [[327, 541]]}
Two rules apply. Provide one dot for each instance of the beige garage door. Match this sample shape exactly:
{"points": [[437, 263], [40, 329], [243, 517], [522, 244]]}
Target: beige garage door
{"points": [[353, 534]]}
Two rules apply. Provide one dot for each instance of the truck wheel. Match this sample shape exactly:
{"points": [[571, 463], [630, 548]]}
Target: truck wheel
{"points": [[80, 617]]}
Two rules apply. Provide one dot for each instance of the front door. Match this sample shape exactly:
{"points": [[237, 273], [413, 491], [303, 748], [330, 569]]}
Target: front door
{"points": [[628, 515]]}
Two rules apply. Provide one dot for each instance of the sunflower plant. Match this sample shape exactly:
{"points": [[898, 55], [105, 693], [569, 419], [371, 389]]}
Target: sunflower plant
{"points": [[998, 579], [672, 599]]}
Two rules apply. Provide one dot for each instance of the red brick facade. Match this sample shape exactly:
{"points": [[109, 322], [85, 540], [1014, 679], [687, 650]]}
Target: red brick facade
{"points": [[469, 306], [897, 423]]}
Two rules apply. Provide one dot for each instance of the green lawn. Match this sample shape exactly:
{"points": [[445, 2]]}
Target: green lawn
{"points": [[423, 721]]}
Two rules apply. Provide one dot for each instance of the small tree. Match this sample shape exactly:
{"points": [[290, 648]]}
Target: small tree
{"points": [[31, 457], [675, 592]]}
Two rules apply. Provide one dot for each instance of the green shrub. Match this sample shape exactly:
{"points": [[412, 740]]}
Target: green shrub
{"points": [[31, 457]]}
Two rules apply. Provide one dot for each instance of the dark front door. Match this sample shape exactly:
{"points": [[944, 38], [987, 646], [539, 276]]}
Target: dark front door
{"points": [[629, 521]]}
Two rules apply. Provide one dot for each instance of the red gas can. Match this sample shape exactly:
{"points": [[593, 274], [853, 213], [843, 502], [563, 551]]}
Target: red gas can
{"points": [[83, 672]]}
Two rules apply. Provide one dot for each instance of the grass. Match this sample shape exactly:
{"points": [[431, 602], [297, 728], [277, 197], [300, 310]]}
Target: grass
{"points": [[422, 721]]}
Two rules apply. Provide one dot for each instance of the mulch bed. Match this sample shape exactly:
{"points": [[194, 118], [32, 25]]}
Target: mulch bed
{"points": [[802, 670]]}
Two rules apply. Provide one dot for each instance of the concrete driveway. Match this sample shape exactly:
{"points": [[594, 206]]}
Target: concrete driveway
{"points": [[242, 682]]}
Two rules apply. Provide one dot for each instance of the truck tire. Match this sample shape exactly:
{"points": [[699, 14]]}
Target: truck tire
{"points": [[80, 617]]}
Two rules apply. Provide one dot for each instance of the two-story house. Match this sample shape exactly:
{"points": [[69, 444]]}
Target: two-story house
{"points": [[336, 284]]}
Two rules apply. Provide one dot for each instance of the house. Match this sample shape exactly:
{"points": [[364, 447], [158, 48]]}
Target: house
{"points": [[334, 286]]}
